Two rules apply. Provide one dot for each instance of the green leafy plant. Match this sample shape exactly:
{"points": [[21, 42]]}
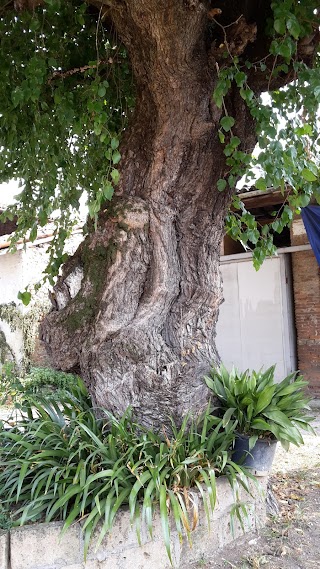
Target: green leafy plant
{"points": [[15, 387], [5, 519], [10, 383], [261, 407], [38, 379], [61, 462]]}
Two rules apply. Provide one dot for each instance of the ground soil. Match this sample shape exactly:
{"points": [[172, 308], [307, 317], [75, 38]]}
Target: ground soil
{"points": [[291, 539]]}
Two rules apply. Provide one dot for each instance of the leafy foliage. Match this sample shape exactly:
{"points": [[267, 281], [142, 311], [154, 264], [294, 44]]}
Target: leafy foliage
{"points": [[60, 462], [5, 519], [261, 407], [65, 93], [16, 389], [41, 378], [287, 125], [10, 382]]}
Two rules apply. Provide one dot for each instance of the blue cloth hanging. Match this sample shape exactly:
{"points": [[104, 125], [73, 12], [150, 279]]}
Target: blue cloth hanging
{"points": [[311, 220]]}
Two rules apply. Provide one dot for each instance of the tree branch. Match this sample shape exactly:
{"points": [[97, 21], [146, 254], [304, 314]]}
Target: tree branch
{"points": [[20, 5], [69, 72]]}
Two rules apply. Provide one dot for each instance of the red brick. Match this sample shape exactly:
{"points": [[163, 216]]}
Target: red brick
{"points": [[306, 285]]}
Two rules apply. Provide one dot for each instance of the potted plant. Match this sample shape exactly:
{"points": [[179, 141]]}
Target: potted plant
{"points": [[265, 412]]}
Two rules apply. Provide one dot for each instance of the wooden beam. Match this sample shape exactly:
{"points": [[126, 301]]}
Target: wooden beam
{"points": [[259, 198], [8, 226]]}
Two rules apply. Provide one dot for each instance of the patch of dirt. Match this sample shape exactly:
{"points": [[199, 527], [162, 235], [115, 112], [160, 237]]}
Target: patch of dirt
{"points": [[291, 539]]}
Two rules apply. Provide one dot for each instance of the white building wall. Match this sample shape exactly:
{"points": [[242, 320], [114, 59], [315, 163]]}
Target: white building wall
{"points": [[11, 277], [19, 270], [256, 325]]}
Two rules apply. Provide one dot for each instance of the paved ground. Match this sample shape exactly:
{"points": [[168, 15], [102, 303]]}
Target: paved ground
{"points": [[291, 540]]}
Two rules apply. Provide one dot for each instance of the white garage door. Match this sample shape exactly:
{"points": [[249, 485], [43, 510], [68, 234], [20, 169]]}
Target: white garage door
{"points": [[256, 324]]}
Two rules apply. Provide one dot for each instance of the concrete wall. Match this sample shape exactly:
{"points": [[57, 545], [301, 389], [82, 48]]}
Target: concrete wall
{"points": [[306, 284], [40, 546]]}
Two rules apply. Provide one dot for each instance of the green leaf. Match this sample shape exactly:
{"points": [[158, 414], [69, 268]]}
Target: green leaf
{"points": [[261, 425], [261, 184], [227, 416], [93, 208], [165, 519], [280, 26], [177, 512], [264, 399], [285, 49], [293, 26], [142, 480], [22, 474], [277, 416], [240, 78], [17, 96], [227, 123], [102, 91], [308, 175], [33, 233], [303, 200], [72, 491], [305, 129], [252, 441], [232, 180], [108, 191], [115, 175], [247, 95], [114, 143], [235, 141], [221, 185], [74, 513], [25, 297], [116, 157], [277, 225], [97, 128], [218, 98]]}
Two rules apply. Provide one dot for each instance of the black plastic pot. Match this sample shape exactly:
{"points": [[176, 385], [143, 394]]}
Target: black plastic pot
{"points": [[259, 459]]}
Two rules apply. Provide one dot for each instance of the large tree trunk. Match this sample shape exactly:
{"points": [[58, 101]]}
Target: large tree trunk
{"points": [[137, 306]]}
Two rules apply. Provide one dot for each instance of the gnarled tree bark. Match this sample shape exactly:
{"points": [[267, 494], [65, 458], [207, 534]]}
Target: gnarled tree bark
{"points": [[136, 307]]}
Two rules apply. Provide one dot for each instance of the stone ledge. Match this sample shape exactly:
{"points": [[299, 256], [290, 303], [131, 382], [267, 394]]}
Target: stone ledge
{"points": [[41, 546], [4, 550]]}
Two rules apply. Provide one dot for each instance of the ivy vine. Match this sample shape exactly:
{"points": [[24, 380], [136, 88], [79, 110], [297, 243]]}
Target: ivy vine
{"points": [[27, 322], [287, 125], [60, 136]]}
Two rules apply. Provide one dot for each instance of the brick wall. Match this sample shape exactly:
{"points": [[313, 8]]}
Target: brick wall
{"points": [[306, 285]]}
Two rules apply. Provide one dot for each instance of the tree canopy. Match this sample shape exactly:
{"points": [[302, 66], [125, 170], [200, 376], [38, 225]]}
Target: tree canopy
{"points": [[67, 92]]}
